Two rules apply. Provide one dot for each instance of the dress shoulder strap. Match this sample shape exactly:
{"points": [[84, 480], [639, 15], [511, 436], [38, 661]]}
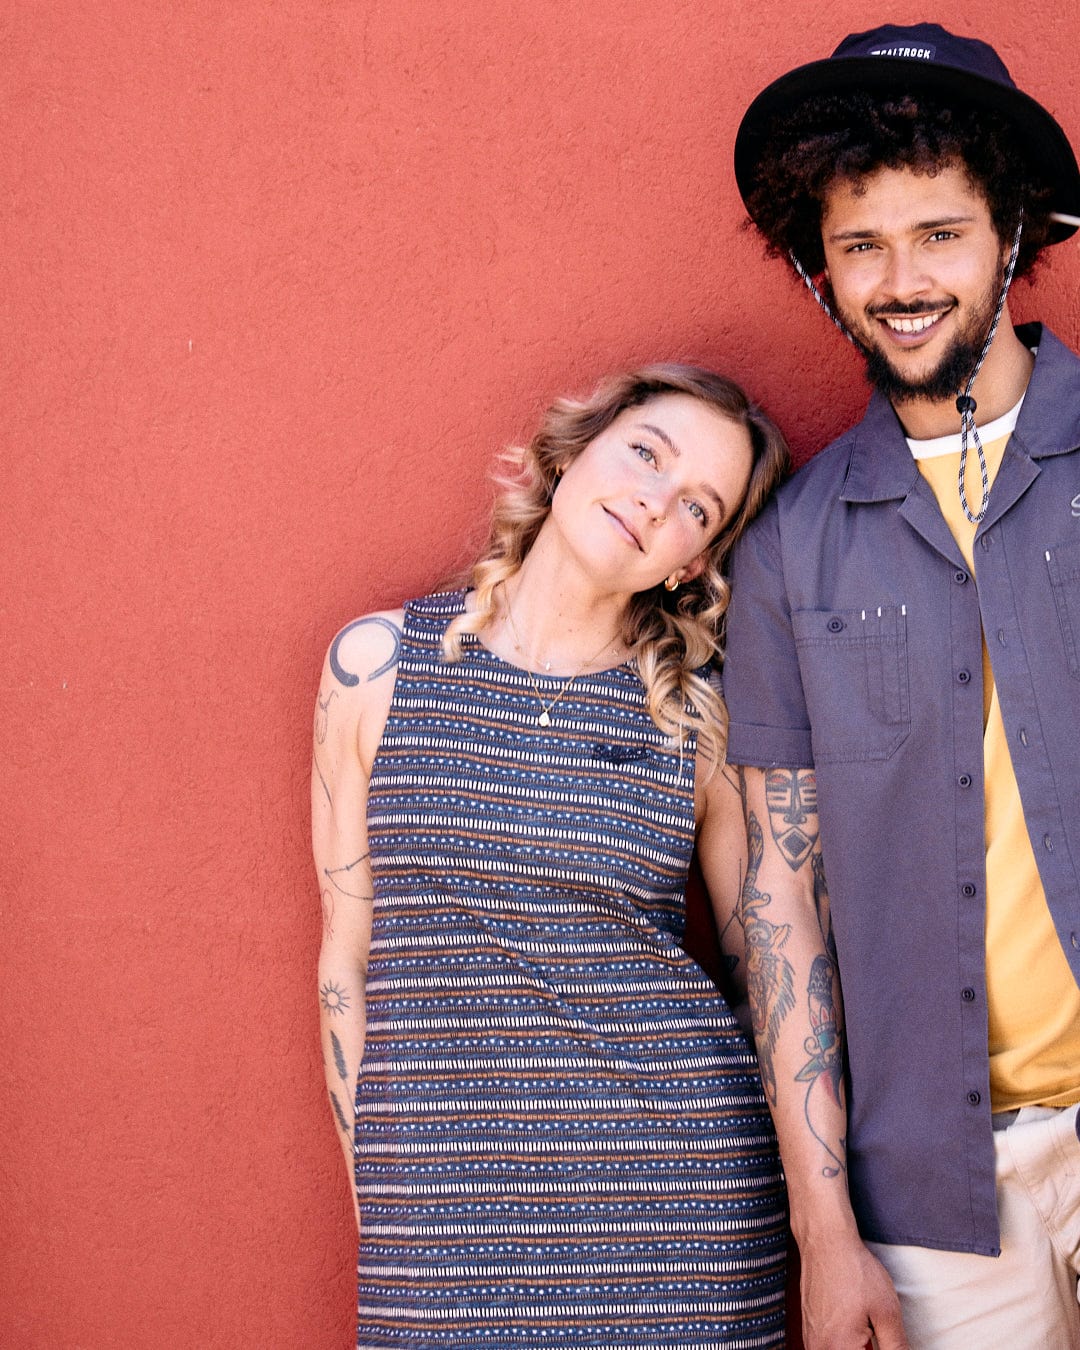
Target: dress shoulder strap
{"points": [[427, 619]]}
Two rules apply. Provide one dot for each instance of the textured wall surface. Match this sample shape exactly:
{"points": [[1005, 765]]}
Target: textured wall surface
{"points": [[278, 279]]}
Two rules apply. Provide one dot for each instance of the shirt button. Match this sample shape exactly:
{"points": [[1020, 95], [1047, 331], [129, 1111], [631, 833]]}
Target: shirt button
{"points": [[974, 1098], [1001, 637], [1048, 843], [963, 676], [1074, 938], [835, 625], [968, 889], [986, 540], [959, 577], [1023, 735], [964, 780], [968, 994]]}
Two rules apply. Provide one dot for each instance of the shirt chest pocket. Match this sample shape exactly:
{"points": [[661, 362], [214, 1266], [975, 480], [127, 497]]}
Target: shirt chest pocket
{"points": [[854, 666], [1064, 567]]}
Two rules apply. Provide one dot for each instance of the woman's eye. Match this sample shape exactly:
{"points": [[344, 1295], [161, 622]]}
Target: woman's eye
{"points": [[645, 453], [698, 512]]}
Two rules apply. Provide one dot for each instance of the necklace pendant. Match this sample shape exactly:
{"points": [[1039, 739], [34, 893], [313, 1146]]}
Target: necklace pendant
{"points": [[544, 719]]}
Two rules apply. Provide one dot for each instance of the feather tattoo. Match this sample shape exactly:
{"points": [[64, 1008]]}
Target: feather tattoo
{"points": [[339, 1058]]}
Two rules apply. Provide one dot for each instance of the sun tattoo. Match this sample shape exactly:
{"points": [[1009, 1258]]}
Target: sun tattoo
{"points": [[334, 998]]}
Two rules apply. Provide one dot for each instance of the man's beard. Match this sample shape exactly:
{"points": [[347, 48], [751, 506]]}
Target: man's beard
{"points": [[945, 381], [949, 377]]}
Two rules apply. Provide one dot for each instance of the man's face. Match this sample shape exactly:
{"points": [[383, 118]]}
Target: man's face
{"points": [[914, 266]]}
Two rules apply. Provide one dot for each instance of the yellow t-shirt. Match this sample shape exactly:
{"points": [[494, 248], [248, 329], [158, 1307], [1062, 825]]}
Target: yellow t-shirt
{"points": [[1032, 999]]}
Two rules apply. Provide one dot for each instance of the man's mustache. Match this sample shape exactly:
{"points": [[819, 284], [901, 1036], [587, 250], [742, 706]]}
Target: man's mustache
{"points": [[898, 310]]}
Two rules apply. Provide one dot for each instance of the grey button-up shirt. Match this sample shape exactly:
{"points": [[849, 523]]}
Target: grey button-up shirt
{"points": [[855, 646]]}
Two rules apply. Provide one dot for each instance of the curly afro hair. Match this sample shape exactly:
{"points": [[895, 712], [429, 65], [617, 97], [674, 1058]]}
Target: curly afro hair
{"points": [[852, 135]]}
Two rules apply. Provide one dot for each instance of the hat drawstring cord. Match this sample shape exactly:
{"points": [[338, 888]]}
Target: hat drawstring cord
{"points": [[811, 286], [966, 405]]}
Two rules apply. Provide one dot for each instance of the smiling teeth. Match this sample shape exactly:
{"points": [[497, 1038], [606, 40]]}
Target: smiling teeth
{"points": [[915, 325]]}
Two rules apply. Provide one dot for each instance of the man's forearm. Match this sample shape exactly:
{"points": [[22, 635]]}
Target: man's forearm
{"points": [[794, 988]]}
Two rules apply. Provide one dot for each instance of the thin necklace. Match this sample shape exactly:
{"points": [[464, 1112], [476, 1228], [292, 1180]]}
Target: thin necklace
{"points": [[545, 708]]}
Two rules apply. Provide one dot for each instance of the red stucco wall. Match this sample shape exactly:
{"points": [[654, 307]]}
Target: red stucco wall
{"points": [[278, 278]]}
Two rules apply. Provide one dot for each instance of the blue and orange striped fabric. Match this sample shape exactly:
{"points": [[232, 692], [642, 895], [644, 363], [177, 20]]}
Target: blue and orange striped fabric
{"points": [[561, 1135]]}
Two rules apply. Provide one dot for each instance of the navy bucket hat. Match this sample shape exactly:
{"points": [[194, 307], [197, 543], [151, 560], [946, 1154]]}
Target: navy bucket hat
{"points": [[917, 59]]}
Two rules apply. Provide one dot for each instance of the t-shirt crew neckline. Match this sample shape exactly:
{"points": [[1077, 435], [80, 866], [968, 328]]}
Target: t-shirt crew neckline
{"points": [[1001, 426]]}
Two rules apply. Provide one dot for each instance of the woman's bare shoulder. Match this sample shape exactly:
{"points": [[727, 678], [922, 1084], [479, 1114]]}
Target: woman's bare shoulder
{"points": [[357, 682], [366, 650]]}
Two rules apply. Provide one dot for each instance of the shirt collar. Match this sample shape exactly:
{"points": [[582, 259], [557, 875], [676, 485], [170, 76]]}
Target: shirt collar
{"points": [[880, 465], [1049, 421]]}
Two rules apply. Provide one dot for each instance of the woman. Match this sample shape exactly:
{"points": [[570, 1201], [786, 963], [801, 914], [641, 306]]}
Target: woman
{"points": [[560, 1136]]}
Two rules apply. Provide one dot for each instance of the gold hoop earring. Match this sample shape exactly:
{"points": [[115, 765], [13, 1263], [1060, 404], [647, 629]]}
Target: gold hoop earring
{"points": [[671, 584]]}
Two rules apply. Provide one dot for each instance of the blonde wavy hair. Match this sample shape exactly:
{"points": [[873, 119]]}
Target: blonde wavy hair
{"points": [[676, 637]]}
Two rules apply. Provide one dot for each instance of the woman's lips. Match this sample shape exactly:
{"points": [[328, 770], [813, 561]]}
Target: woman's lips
{"points": [[624, 528]]}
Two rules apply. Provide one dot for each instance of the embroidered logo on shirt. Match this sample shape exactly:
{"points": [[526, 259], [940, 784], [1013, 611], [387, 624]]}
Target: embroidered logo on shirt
{"points": [[619, 754]]}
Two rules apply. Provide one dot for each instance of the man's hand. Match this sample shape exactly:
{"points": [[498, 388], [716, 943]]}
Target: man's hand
{"points": [[846, 1296]]}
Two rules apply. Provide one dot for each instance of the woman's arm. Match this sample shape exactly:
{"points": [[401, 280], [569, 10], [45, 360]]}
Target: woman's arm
{"points": [[350, 712], [721, 848]]}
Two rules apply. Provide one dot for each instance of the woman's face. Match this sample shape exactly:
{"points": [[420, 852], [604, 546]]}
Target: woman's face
{"points": [[646, 498]]}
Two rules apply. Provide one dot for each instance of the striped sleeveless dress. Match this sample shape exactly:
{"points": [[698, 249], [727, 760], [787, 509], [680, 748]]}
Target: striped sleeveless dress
{"points": [[561, 1134]]}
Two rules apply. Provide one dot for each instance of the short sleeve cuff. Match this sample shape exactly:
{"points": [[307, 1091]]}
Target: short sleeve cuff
{"points": [[769, 747]]}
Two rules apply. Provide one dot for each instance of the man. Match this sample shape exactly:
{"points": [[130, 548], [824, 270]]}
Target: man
{"points": [[903, 680]]}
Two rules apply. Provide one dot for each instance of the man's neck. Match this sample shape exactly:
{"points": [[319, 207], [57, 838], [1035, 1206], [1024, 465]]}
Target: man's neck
{"points": [[1002, 380]]}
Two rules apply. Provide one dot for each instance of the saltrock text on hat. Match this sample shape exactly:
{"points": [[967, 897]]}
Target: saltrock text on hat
{"points": [[919, 53]]}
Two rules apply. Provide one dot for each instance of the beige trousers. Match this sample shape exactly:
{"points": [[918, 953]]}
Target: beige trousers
{"points": [[1026, 1298]]}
